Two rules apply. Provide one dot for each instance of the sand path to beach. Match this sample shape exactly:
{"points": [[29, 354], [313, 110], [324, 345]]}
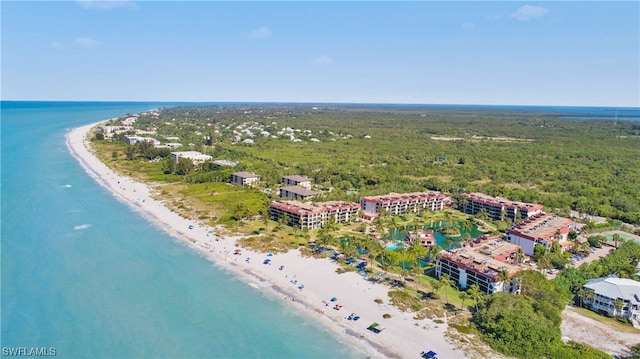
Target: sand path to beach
{"points": [[404, 337]]}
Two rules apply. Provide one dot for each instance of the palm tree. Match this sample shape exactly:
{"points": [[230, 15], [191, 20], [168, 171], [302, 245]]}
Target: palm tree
{"points": [[619, 304], [389, 262], [375, 250], [446, 282], [417, 271], [503, 276], [463, 296], [402, 252], [616, 239], [434, 252], [284, 221], [544, 263], [476, 294], [589, 295], [519, 257], [413, 251]]}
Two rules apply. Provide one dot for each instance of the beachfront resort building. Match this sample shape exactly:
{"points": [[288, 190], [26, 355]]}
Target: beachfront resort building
{"points": [[297, 193], [542, 228], [195, 156], [402, 203], [110, 131], [297, 180], [480, 262], [132, 140], [606, 291], [245, 179], [313, 215], [497, 208]]}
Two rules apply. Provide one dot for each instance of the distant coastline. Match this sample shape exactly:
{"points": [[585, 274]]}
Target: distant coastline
{"points": [[604, 113]]}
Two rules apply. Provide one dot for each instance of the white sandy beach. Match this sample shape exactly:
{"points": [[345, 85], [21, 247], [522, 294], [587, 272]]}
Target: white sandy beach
{"points": [[404, 337]]}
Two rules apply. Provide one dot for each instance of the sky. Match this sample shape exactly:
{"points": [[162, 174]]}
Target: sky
{"points": [[561, 53]]}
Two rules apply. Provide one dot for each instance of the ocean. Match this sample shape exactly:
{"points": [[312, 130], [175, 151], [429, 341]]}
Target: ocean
{"points": [[84, 276]]}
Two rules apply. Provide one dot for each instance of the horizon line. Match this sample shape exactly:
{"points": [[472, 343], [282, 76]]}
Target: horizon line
{"points": [[328, 103]]}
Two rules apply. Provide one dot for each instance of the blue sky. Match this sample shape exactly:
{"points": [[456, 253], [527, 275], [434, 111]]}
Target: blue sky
{"points": [[512, 53]]}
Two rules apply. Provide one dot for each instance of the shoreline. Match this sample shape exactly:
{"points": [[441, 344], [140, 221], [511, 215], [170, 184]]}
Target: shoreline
{"points": [[404, 337]]}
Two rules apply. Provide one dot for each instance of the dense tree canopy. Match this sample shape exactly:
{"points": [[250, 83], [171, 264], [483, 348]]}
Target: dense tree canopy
{"points": [[587, 165]]}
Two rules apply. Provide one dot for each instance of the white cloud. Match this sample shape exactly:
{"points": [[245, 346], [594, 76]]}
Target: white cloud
{"points": [[85, 42], [56, 45], [260, 33], [322, 60], [528, 12], [494, 17], [469, 25], [101, 5]]}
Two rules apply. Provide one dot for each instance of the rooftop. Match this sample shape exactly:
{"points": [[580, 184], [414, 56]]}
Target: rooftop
{"points": [[626, 289], [298, 178], [403, 197], [312, 208], [500, 201], [244, 174], [542, 225], [300, 191], [487, 255]]}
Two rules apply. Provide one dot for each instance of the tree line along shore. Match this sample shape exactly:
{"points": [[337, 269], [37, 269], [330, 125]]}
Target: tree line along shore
{"points": [[587, 166]]}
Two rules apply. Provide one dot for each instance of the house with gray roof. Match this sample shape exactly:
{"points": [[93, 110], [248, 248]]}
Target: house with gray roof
{"points": [[608, 290], [297, 193], [297, 180], [245, 179]]}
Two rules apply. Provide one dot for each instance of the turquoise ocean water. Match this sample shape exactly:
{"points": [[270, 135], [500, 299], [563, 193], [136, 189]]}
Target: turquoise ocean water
{"points": [[84, 274]]}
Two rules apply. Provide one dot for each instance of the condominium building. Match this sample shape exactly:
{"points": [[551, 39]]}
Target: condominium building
{"points": [[132, 140], [245, 179], [297, 193], [194, 156], [479, 263], [297, 180], [402, 203], [497, 208], [608, 290], [543, 229], [313, 215]]}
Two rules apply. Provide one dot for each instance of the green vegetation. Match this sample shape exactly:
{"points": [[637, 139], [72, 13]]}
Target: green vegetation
{"points": [[528, 325], [621, 262], [590, 166]]}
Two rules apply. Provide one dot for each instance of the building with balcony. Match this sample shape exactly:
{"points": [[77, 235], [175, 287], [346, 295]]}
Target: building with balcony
{"points": [[497, 208], [480, 262], [297, 193], [543, 229], [313, 215], [195, 156], [606, 291], [297, 180], [245, 179], [402, 203]]}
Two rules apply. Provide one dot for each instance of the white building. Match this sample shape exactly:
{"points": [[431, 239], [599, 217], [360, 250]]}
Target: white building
{"points": [[194, 156], [297, 193], [608, 290], [297, 180], [243, 179], [132, 140], [543, 229]]}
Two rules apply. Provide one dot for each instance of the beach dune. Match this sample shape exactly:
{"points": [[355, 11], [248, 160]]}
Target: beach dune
{"points": [[306, 284]]}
